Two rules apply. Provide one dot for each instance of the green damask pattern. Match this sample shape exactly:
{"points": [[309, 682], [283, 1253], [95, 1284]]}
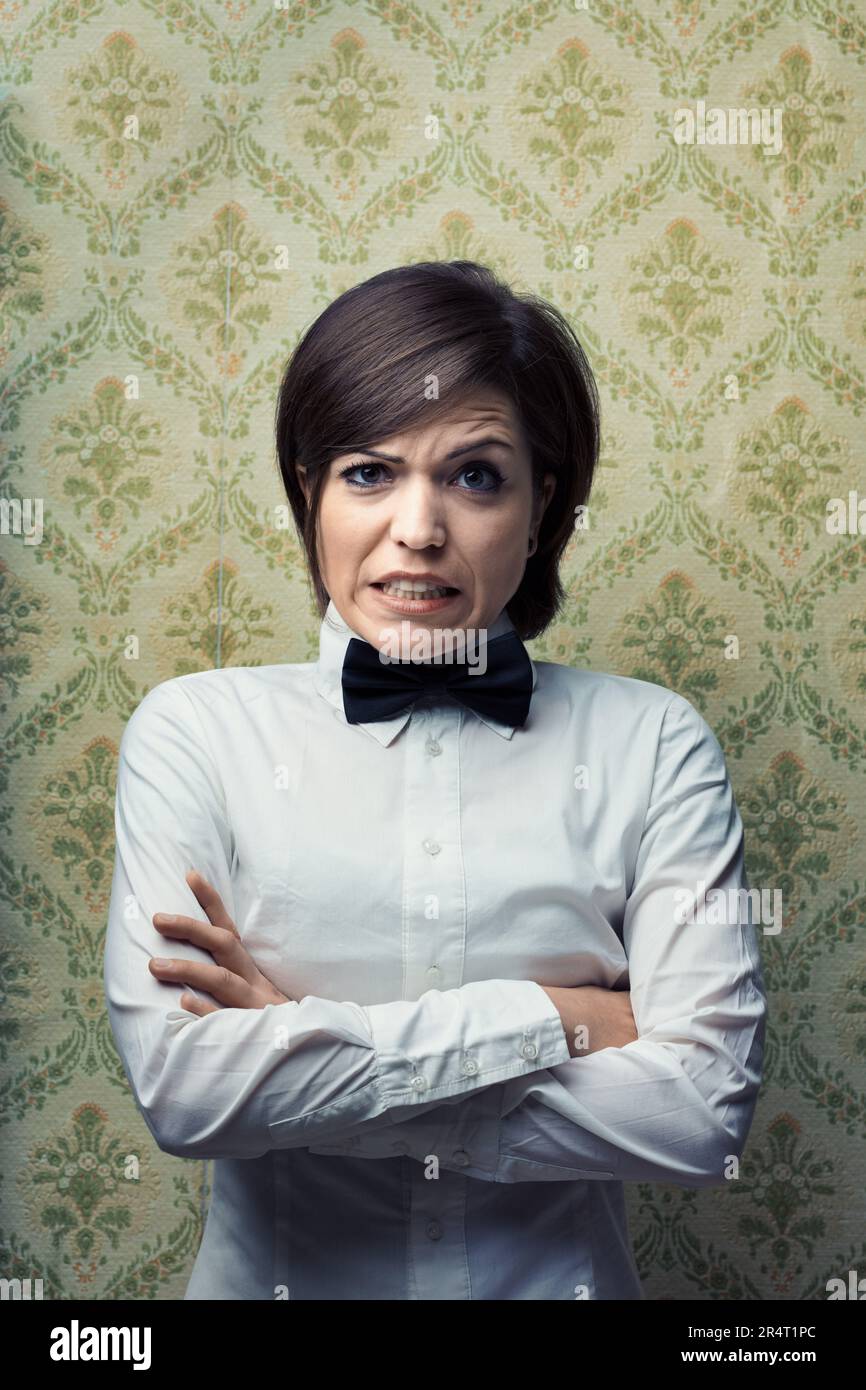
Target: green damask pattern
{"points": [[185, 186]]}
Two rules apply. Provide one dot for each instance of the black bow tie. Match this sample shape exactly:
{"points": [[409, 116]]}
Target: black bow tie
{"points": [[375, 689]]}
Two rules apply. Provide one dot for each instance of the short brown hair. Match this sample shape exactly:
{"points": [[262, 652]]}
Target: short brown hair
{"points": [[358, 376]]}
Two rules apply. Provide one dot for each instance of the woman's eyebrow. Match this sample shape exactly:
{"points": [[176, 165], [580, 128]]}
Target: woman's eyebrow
{"points": [[455, 453]]}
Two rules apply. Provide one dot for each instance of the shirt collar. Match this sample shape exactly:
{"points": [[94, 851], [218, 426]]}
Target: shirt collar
{"points": [[335, 636]]}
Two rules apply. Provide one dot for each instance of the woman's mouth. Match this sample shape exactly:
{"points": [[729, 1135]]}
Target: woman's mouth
{"points": [[414, 588], [415, 596]]}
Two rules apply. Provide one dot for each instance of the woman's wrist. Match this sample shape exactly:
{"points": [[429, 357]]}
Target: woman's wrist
{"points": [[560, 1000]]}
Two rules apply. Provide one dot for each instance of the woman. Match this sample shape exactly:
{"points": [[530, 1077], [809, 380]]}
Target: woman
{"points": [[431, 996]]}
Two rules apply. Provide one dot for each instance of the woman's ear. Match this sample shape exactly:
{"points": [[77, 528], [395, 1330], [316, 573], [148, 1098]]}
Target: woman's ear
{"points": [[542, 502], [301, 475]]}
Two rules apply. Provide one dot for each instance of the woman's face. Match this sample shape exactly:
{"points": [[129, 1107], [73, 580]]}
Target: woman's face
{"points": [[445, 508]]}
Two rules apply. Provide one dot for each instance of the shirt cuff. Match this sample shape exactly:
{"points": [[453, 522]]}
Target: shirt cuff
{"points": [[516, 1020], [463, 1136], [451, 1042]]}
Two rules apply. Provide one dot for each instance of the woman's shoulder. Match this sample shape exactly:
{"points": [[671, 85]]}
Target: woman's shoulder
{"points": [[226, 687], [583, 684], [627, 706]]}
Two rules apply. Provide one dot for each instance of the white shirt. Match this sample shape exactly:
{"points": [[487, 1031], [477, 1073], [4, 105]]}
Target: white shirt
{"points": [[417, 880]]}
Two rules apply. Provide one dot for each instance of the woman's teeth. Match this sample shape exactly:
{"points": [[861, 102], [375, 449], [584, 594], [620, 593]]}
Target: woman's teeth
{"points": [[404, 588]]}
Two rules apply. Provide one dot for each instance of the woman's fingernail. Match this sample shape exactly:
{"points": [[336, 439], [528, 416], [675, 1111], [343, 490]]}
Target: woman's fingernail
{"points": [[160, 962], [164, 917]]}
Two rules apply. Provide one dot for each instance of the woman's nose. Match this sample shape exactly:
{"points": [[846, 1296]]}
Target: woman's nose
{"points": [[417, 518]]}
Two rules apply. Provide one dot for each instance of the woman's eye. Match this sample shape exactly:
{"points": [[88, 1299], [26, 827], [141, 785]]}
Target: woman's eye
{"points": [[482, 477], [477, 470], [360, 468]]}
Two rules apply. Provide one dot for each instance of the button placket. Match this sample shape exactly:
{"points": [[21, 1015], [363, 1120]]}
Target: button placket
{"points": [[434, 911], [434, 937]]}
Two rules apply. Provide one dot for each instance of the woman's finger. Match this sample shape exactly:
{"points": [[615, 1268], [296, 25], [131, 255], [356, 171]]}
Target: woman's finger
{"points": [[211, 901], [197, 1006], [221, 984], [226, 949]]}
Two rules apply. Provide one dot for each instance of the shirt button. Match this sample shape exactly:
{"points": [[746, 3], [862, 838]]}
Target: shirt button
{"points": [[529, 1050], [431, 846], [434, 747], [470, 1066], [434, 1230], [434, 974], [461, 1156], [418, 1083]]}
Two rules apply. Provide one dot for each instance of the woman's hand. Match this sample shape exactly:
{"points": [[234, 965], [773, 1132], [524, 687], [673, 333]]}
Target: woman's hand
{"points": [[235, 980], [594, 1018]]}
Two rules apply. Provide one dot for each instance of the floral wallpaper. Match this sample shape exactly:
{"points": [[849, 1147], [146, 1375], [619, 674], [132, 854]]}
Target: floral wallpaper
{"points": [[185, 187]]}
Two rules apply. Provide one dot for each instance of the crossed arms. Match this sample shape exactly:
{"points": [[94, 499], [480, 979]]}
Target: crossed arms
{"points": [[480, 1076]]}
